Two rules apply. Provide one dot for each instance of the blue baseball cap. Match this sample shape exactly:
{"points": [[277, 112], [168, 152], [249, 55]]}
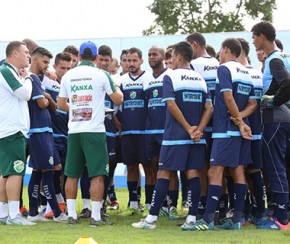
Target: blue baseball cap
{"points": [[89, 45]]}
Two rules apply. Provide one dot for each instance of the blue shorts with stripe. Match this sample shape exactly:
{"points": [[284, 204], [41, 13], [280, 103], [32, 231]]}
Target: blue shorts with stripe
{"points": [[60, 150], [230, 152], [182, 156], [256, 155], [111, 146], [41, 151], [153, 145]]}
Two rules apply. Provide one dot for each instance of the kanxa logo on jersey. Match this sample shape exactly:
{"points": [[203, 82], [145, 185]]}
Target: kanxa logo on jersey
{"points": [[242, 71], [244, 89], [192, 97], [208, 68], [155, 82], [186, 77], [76, 88]]}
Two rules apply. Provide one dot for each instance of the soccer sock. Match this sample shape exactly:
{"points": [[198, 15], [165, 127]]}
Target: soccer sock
{"points": [[85, 184], [13, 209], [184, 185], [240, 195], [87, 203], [230, 187], [3, 210], [138, 193], [106, 186], [213, 195], [132, 188], [223, 204], [56, 181], [48, 189], [71, 208], [201, 205], [111, 190], [194, 190], [96, 210], [43, 201], [159, 194], [173, 196], [281, 208], [33, 192], [248, 205], [148, 193], [259, 190], [21, 193]]}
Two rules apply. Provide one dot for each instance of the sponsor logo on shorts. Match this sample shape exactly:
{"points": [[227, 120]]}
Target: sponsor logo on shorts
{"points": [[18, 166], [50, 161]]}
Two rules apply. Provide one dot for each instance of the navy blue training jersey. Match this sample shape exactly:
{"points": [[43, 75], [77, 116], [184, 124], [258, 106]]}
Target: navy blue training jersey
{"points": [[189, 91], [40, 120]]}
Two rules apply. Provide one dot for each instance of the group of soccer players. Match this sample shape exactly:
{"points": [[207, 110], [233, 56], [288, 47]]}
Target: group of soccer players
{"points": [[221, 123]]}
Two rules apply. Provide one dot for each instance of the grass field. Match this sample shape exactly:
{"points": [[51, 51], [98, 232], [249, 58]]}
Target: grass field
{"points": [[122, 232]]}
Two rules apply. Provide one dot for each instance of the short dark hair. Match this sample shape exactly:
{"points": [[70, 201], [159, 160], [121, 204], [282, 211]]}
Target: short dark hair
{"points": [[168, 53], [234, 45], [279, 44], [71, 49], [41, 51], [210, 50], [64, 56], [245, 45], [196, 37], [184, 49], [135, 50], [265, 28], [12, 46], [105, 50], [124, 51]]}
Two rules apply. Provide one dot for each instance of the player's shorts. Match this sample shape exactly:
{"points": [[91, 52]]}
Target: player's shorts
{"points": [[119, 156], [153, 145], [13, 155], [111, 146], [182, 157], [133, 149], [256, 155], [230, 152], [60, 150], [88, 149], [41, 151]]}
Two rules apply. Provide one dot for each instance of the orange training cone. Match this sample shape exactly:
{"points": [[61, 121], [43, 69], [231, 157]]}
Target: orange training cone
{"points": [[86, 240]]}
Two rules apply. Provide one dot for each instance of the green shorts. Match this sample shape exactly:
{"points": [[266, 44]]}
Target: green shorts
{"points": [[13, 155], [87, 149]]}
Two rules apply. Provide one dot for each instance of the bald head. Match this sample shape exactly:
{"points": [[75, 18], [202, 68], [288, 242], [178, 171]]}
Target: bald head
{"points": [[156, 57], [31, 45]]}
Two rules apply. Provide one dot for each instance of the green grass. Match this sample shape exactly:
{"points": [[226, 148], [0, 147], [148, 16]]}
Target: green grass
{"points": [[122, 232]]}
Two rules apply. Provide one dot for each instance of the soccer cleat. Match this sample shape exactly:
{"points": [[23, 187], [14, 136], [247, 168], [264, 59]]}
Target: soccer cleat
{"points": [[163, 213], [143, 224], [3, 221], [72, 221], [173, 214], [184, 206], [129, 212], [62, 206], [19, 220], [62, 218], [114, 205], [201, 225], [85, 213], [94, 223], [243, 221], [37, 218], [24, 211], [258, 221], [230, 225], [187, 226], [273, 224]]}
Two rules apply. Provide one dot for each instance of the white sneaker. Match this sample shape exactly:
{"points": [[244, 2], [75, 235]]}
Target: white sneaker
{"points": [[143, 224], [37, 218], [62, 218], [3, 221], [19, 220]]}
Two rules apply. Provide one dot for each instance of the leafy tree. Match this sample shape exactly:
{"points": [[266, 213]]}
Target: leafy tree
{"points": [[187, 16]]}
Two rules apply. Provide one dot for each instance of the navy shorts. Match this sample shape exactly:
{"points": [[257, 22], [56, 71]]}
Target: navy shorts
{"points": [[256, 155], [230, 152], [41, 151], [209, 140], [153, 145], [182, 157], [60, 150], [119, 157], [133, 149], [111, 146]]}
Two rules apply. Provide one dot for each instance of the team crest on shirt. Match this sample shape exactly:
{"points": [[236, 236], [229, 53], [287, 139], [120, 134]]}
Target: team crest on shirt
{"points": [[133, 94], [155, 93], [18, 166], [50, 161]]}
